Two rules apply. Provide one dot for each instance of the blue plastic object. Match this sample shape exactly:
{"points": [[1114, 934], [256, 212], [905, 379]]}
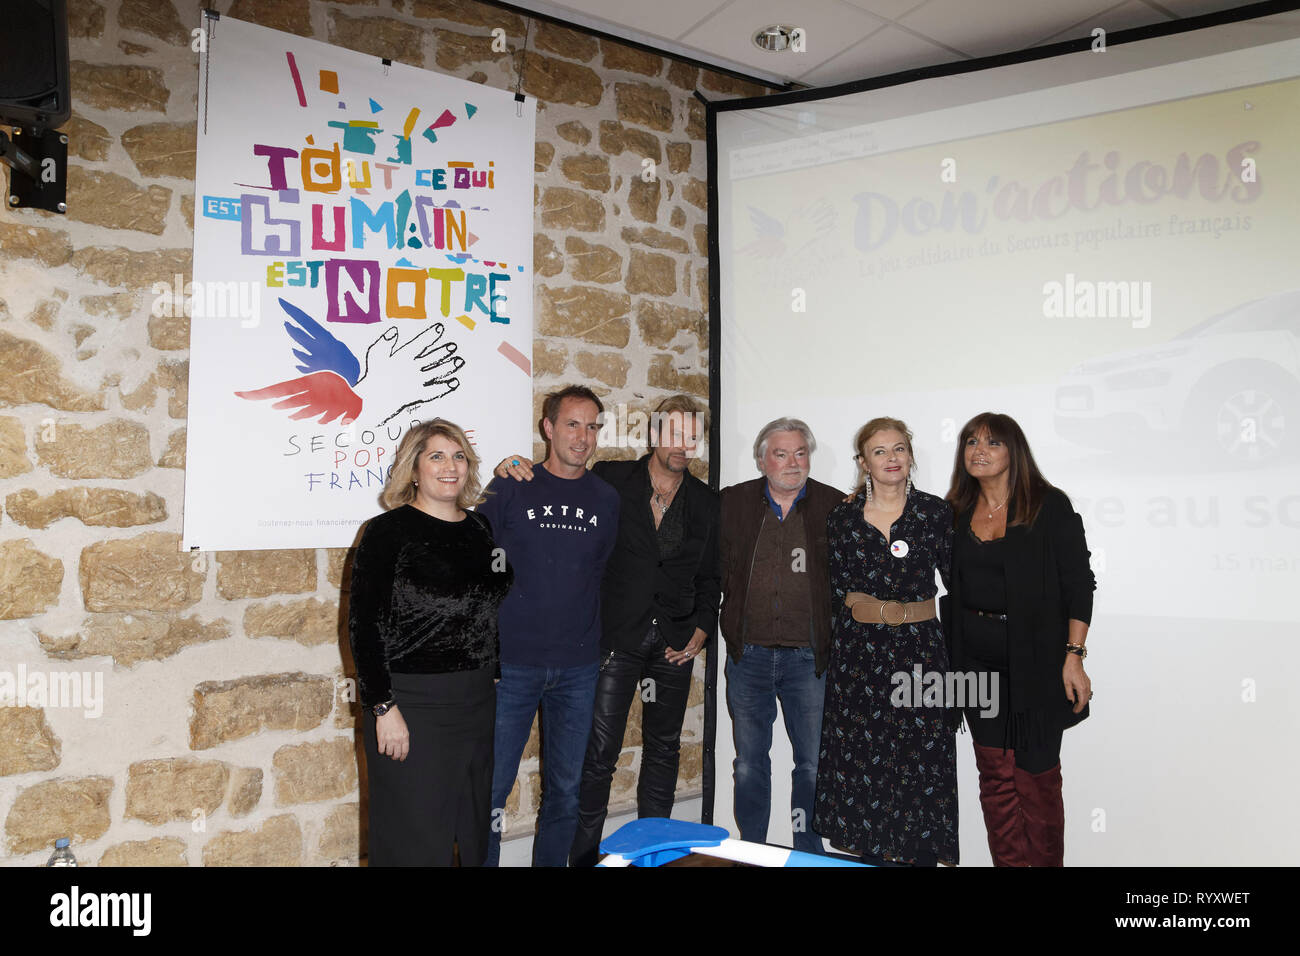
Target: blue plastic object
{"points": [[654, 841]]}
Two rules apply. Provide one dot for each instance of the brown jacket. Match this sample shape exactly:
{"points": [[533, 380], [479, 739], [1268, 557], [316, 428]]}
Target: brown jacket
{"points": [[742, 514]]}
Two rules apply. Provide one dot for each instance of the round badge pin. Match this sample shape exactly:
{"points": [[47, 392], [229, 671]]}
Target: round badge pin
{"points": [[899, 549]]}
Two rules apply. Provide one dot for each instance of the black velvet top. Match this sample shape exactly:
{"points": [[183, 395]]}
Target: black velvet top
{"points": [[424, 598]]}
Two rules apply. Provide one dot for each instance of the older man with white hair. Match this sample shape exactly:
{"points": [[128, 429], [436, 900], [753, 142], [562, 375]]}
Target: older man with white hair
{"points": [[776, 620]]}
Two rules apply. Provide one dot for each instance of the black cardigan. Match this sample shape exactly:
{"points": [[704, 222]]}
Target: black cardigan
{"points": [[681, 592], [1049, 581]]}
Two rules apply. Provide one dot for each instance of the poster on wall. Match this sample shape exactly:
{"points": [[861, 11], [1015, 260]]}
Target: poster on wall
{"points": [[362, 262]]}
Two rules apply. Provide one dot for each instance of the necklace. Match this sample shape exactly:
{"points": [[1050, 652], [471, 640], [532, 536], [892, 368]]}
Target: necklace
{"points": [[998, 508], [662, 499]]}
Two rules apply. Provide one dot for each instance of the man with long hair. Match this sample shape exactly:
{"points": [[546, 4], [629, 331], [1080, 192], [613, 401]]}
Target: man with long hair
{"points": [[659, 606]]}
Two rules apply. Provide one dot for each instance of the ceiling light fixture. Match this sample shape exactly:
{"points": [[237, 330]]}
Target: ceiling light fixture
{"points": [[774, 39]]}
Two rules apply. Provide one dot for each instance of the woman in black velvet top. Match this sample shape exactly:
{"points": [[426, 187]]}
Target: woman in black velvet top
{"points": [[427, 580], [1019, 604]]}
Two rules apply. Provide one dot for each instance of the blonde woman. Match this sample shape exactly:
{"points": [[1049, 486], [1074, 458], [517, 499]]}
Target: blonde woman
{"points": [[426, 584], [887, 771]]}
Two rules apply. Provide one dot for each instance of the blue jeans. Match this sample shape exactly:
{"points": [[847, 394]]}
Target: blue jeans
{"points": [[566, 696], [763, 676]]}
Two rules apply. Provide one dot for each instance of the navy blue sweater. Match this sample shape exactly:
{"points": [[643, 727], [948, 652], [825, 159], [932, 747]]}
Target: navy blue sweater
{"points": [[557, 534]]}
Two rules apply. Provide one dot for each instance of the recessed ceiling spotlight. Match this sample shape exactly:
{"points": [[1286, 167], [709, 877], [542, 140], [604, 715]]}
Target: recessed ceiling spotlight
{"points": [[774, 39]]}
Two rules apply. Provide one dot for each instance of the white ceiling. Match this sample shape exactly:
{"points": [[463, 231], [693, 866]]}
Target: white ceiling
{"points": [[856, 39]]}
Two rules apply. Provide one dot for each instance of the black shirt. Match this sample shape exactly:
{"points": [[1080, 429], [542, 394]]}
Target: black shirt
{"points": [[671, 530], [679, 589], [424, 598]]}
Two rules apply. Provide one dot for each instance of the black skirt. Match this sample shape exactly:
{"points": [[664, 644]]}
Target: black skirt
{"points": [[986, 651], [441, 794]]}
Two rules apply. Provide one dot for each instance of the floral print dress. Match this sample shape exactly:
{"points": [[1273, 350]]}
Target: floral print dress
{"points": [[887, 775]]}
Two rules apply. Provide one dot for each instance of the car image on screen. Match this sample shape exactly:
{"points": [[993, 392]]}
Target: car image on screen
{"points": [[1230, 384]]}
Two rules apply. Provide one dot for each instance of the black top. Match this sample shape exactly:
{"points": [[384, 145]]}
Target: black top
{"points": [[984, 569], [424, 598], [681, 590]]}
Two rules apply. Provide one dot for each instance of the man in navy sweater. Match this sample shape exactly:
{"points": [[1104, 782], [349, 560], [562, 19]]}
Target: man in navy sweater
{"points": [[558, 531]]}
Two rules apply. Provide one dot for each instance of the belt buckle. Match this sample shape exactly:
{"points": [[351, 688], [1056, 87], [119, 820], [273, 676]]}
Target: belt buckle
{"points": [[888, 623]]}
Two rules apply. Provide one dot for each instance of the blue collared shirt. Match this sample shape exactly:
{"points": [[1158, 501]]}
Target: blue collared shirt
{"points": [[776, 508]]}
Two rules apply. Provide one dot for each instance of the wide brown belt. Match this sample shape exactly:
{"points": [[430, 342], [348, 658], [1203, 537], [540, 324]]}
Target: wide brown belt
{"points": [[869, 610]]}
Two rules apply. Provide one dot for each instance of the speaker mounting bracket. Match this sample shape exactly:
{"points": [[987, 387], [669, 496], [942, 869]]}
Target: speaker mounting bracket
{"points": [[38, 174]]}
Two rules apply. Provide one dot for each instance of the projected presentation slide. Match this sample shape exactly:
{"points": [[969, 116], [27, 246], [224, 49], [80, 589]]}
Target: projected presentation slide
{"points": [[1123, 283]]}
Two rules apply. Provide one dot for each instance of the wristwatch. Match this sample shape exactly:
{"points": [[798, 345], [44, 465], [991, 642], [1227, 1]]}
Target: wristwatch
{"points": [[380, 709]]}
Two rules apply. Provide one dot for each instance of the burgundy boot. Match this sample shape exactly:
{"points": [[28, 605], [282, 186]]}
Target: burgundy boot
{"points": [[1044, 813], [1001, 804]]}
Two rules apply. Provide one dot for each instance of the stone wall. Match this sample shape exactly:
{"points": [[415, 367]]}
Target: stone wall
{"points": [[226, 736]]}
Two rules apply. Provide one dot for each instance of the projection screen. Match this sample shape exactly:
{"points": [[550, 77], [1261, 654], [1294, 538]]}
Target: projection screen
{"points": [[1104, 244]]}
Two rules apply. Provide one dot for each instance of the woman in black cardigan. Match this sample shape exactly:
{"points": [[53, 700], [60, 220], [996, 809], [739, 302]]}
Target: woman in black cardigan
{"points": [[1018, 606]]}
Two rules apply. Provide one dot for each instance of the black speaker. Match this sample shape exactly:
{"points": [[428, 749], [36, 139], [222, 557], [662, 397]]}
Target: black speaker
{"points": [[34, 87]]}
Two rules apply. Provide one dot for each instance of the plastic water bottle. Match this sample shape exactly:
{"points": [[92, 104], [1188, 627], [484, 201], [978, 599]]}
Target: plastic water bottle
{"points": [[62, 855]]}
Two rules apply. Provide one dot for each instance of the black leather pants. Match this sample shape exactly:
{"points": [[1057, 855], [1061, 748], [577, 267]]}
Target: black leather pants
{"points": [[663, 688]]}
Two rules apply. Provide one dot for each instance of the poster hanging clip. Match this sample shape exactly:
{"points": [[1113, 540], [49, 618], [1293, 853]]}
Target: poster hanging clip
{"points": [[387, 63], [210, 18], [519, 72]]}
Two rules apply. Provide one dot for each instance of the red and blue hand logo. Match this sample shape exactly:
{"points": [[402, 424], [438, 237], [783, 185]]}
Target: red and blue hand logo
{"points": [[335, 387]]}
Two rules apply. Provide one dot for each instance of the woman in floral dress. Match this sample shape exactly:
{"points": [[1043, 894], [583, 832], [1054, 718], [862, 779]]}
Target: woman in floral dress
{"points": [[887, 773]]}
